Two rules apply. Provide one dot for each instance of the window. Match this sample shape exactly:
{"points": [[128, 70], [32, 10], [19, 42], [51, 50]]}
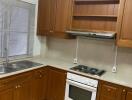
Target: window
{"points": [[17, 33]]}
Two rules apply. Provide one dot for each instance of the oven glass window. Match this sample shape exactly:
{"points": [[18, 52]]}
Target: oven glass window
{"points": [[76, 93]]}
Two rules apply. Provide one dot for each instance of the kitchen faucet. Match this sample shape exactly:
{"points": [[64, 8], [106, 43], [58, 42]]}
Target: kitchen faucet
{"points": [[6, 62]]}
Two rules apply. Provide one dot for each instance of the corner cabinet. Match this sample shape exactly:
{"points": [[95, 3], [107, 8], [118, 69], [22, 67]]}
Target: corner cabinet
{"points": [[124, 24], [54, 17]]}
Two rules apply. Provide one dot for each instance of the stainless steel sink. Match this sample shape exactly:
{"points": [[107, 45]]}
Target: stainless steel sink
{"points": [[19, 65], [4, 70]]}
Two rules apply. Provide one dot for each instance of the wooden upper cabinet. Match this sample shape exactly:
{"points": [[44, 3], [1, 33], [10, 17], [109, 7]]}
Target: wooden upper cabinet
{"points": [[54, 17], [95, 15], [43, 25], [124, 24], [63, 16]]}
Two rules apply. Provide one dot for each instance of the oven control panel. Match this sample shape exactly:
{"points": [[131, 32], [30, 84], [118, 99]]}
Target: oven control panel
{"points": [[82, 79]]}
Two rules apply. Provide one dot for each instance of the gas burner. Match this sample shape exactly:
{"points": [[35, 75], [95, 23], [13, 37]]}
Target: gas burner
{"points": [[86, 69]]}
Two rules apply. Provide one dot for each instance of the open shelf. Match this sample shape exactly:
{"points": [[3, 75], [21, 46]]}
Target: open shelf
{"points": [[94, 23], [95, 15]]}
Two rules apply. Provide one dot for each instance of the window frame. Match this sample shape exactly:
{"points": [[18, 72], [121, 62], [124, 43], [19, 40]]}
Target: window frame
{"points": [[30, 38]]}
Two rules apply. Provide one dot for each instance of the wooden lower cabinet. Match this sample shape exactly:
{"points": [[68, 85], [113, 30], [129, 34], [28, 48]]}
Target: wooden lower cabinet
{"points": [[129, 95], [23, 91], [56, 84], [6, 94], [110, 91], [39, 84], [23, 86]]}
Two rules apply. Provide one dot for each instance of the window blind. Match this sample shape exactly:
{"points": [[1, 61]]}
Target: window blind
{"points": [[17, 33]]}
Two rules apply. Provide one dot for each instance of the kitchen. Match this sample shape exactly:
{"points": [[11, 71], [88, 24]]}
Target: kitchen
{"points": [[65, 50]]}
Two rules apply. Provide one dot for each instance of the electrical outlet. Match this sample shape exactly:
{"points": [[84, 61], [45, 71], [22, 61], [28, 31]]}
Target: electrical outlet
{"points": [[114, 69], [75, 61]]}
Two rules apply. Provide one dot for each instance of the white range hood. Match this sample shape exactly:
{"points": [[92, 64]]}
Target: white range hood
{"points": [[103, 35]]}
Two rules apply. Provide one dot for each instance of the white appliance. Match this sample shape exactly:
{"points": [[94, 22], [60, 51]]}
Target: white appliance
{"points": [[80, 87]]}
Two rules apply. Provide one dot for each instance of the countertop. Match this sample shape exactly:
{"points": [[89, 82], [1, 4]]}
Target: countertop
{"points": [[120, 78]]}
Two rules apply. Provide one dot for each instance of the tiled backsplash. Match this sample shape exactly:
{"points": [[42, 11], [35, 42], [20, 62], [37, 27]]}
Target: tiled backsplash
{"points": [[91, 52]]}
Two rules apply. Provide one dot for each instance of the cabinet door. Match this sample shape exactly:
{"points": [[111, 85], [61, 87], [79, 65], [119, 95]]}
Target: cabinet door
{"points": [[56, 84], [23, 91], [40, 84], [109, 91], [23, 87], [63, 16], [125, 23], [6, 94], [43, 17], [129, 96], [7, 88]]}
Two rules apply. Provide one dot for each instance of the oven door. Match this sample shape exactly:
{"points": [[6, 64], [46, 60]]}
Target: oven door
{"points": [[79, 91]]}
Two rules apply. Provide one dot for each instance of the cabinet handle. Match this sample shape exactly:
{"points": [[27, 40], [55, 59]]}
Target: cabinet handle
{"points": [[40, 76], [124, 91], [19, 86], [51, 31], [16, 87], [123, 94], [109, 90]]}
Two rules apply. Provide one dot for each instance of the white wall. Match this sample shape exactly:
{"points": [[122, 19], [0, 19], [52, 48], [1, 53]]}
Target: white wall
{"points": [[30, 1], [91, 52], [38, 41]]}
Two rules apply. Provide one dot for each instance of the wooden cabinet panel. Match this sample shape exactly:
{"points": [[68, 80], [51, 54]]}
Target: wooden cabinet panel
{"points": [[40, 84], [22, 89], [109, 91], [61, 17], [56, 84], [124, 24], [54, 17], [126, 31], [129, 96], [6, 94], [44, 17]]}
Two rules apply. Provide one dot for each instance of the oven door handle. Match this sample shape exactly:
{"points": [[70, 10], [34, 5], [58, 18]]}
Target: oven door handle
{"points": [[80, 85]]}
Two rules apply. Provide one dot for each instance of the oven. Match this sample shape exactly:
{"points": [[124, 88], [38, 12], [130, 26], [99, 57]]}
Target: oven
{"points": [[80, 88]]}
